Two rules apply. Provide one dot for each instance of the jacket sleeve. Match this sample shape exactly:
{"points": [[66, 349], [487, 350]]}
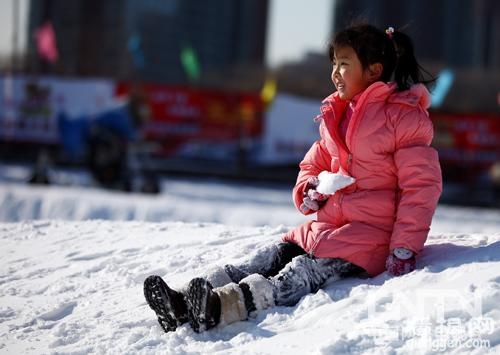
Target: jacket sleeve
{"points": [[419, 180], [316, 160]]}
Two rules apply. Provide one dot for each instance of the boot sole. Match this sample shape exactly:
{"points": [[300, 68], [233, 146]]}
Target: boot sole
{"points": [[158, 296], [203, 305]]}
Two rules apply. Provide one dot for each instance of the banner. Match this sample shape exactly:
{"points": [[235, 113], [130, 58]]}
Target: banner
{"points": [[29, 107], [200, 123], [468, 144]]}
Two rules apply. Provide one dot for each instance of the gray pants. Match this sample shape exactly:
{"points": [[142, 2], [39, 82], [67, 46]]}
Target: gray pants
{"points": [[291, 271]]}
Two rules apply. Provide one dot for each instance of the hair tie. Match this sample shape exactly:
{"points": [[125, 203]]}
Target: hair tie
{"points": [[389, 31]]}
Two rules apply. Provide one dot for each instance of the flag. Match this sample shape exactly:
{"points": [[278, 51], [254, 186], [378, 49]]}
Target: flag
{"points": [[268, 91], [134, 47], [443, 86], [45, 38], [189, 61]]}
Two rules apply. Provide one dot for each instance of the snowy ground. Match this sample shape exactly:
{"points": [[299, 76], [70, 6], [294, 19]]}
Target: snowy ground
{"points": [[73, 260]]}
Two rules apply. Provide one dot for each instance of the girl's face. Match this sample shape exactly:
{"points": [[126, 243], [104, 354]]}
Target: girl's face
{"points": [[348, 74]]}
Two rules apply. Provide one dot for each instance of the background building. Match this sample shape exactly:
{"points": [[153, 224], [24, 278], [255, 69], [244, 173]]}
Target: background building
{"points": [[459, 33], [168, 41], [222, 45]]}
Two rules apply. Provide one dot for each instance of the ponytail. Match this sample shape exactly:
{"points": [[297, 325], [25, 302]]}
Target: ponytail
{"points": [[407, 70]]}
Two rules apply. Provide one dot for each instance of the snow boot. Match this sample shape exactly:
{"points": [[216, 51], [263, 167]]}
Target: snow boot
{"points": [[203, 305], [209, 307], [259, 293], [169, 305]]}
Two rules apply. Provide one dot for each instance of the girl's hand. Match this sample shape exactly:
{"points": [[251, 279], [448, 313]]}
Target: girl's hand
{"points": [[400, 262], [313, 200]]}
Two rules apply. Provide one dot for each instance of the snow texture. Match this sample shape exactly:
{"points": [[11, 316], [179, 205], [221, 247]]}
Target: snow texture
{"points": [[73, 261], [329, 183], [217, 276]]}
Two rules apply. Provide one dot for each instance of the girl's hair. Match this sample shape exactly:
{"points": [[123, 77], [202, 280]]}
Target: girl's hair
{"points": [[394, 50]]}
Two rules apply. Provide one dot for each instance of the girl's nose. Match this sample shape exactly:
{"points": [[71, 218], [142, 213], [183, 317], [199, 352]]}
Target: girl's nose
{"points": [[335, 73]]}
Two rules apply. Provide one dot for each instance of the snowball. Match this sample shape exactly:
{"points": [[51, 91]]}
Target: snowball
{"points": [[329, 183]]}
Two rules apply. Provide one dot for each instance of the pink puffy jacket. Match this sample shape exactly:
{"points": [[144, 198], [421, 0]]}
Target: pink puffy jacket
{"points": [[398, 178]]}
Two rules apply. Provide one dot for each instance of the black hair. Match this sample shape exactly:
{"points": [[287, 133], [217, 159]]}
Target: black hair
{"points": [[394, 50]]}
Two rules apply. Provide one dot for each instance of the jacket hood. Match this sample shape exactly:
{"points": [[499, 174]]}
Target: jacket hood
{"points": [[417, 95]]}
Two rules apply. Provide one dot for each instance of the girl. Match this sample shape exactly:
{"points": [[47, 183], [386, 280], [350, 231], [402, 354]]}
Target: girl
{"points": [[374, 138]]}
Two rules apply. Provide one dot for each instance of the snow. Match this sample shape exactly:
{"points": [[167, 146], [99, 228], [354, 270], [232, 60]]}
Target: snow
{"points": [[329, 183], [73, 260]]}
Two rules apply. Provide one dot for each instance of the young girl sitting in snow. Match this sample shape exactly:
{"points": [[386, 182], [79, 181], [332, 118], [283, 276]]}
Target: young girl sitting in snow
{"points": [[371, 178]]}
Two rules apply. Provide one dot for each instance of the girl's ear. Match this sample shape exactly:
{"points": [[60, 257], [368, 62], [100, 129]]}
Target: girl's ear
{"points": [[375, 71]]}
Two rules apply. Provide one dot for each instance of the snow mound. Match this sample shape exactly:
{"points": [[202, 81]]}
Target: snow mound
{"points": [[73, 261], [76, 287]]}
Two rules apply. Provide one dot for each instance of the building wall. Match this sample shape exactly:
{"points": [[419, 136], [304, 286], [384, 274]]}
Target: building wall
{"points": [[93, 36]]}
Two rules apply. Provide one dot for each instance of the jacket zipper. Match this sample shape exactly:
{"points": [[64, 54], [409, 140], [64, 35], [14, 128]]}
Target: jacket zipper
{"points": [[342, 145], [349, 161]]}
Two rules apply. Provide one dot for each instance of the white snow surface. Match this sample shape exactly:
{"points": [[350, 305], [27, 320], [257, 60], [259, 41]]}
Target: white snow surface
{"points": [[73, 260]]}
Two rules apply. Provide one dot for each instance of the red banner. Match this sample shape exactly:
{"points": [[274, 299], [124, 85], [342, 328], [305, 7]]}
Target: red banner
{"points": [[468, 144], [179, 115]]}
